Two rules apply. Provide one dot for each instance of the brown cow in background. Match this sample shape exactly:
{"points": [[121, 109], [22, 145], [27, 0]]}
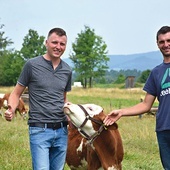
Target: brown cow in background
{"points": [[20, 108], [1, 104]]}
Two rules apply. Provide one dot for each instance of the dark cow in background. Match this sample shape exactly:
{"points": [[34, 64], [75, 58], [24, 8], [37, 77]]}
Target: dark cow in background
{"points": [[20, 108], [91, 145]]}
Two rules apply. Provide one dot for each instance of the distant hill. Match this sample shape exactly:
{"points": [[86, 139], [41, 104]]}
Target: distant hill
{"points": [[141, 61]]}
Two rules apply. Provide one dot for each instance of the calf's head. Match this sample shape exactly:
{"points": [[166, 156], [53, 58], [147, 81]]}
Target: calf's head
{"points": [[88, 118]]}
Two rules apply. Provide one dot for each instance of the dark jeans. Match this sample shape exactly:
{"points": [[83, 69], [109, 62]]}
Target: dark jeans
{"points": [[164, 148]]}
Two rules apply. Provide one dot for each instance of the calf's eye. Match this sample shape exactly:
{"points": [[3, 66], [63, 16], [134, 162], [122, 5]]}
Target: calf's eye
{"points": [[90, 108]]}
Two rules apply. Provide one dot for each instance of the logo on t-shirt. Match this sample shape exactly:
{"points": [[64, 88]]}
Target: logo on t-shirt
{"points": [[165, 83]]}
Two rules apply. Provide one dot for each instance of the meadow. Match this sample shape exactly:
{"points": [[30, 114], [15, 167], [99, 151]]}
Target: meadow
{"points": [[138, 134]]}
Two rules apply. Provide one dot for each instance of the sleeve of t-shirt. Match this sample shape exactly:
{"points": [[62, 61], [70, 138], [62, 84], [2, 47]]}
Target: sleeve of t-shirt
{"points": [[68, 86], [25, 75]]}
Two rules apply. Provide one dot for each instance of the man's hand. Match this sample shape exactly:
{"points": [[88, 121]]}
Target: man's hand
{"points": [[9, 113], [112, 117]]}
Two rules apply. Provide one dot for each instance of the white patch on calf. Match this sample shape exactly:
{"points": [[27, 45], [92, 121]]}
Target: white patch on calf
{"points": [[5, 104], [84, 163], [80, 148], [112, 168], [1, 95]]}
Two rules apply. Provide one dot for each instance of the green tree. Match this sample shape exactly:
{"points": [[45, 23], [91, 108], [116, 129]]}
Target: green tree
{"points": [[5, 51], [4, 41], [120, 79], [33, 45], [89, 56], [12, 65], [144, 76]]}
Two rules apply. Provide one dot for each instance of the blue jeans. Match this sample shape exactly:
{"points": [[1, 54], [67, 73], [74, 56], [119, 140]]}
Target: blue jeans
{"points": [[48, 148], [164, 148]]}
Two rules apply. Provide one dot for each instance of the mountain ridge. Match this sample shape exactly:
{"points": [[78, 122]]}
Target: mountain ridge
{"points": [[140, 61]]}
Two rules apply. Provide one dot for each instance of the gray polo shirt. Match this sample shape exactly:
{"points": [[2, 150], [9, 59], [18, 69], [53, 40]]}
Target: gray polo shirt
{"points": [[46, 88]]}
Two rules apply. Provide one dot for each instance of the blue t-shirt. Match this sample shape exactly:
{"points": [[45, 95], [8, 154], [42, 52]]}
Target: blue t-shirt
{"points": [[158, 84], [46, 88]]}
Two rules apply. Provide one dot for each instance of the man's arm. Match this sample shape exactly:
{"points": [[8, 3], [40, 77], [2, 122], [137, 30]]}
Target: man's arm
{"points": [[138, 109]]}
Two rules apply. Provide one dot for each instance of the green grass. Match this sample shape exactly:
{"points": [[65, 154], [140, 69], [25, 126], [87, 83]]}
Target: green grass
{"points": [[14, 146], [138, 135], [140, 144]]}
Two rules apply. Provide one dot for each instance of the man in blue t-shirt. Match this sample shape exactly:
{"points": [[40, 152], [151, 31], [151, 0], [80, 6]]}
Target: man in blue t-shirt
{"points": [[157, 85], [48, 79]]}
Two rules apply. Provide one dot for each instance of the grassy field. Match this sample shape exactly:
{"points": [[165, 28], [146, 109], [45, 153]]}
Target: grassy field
{"points": [[138, 135]]}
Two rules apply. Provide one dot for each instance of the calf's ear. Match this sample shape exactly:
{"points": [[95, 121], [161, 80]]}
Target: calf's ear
{"points": [[112, 127]]}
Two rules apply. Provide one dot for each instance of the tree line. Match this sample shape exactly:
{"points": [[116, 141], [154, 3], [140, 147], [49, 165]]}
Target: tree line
{"points": [[88, 54]]}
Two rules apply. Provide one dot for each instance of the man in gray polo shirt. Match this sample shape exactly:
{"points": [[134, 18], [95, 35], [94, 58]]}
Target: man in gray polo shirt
{"points": [[48, 79]]}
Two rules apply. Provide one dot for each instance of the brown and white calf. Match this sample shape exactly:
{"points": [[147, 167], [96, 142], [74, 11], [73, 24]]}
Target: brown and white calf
{"points": [[91, 145], [20, 108]]}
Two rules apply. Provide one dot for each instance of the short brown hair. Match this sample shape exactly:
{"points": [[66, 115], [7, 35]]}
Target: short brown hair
{"points": [[58, 31], [162, 30]]}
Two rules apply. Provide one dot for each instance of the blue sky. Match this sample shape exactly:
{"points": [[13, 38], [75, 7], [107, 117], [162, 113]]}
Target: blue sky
{"points": [[127, 27]]}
